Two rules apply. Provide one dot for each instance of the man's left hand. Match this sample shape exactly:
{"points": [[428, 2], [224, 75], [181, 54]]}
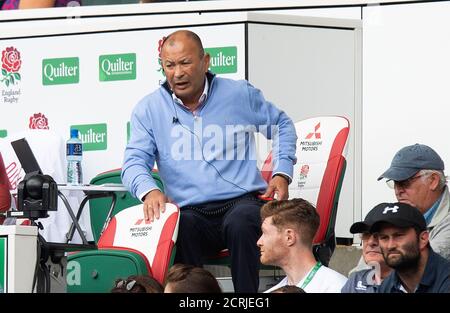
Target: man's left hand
{"points": [[278, 185]]}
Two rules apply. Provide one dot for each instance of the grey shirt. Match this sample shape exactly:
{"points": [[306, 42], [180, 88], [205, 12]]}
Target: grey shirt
{"points": [[361, 282], [439, 227]]}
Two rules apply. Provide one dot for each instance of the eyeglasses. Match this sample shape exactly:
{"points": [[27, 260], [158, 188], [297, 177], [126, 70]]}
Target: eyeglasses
{"points": [[120, 283], [367, 235], [404, 184]]}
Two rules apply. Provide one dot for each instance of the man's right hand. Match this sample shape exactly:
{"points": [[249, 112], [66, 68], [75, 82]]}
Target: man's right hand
{"points": [[154, 202]]}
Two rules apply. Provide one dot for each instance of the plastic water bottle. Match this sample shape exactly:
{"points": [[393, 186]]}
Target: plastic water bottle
{"points": [[74, 155]]}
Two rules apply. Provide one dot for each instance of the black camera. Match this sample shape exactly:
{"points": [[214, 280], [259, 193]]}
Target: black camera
{"points": [[37, 194]]}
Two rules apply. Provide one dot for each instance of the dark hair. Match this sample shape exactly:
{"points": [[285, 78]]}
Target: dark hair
{"points": [[288, 289], [419, 231], [191, 35], [191, 279], [137, 284], [297, 213]]}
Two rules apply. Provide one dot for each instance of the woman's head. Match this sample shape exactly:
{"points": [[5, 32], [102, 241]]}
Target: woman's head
{"points": [[187, 278], [137, 284]]}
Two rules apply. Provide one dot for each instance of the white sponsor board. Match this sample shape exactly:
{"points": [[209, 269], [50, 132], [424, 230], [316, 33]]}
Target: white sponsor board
{"points": [[60, 86]]}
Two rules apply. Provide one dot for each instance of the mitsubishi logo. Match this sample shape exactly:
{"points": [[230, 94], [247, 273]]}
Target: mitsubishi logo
{"points": [[315, 133], [139, 221], [394, 209]]}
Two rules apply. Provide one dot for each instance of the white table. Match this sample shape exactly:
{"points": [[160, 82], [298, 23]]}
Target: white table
{"points": [[90, 192]]}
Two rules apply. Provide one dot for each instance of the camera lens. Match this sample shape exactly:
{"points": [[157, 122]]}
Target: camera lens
{"points": [[34, 186]]}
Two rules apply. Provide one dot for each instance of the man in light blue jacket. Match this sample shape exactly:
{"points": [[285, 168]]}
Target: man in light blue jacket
{"points": [[200, 130]]}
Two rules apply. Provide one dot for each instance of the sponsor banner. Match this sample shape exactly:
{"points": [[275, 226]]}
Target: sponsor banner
{"points": [[60, 71], [45, 97], [49, 99], [93, 136], [223, 59], [3, 269], [115, 67]]}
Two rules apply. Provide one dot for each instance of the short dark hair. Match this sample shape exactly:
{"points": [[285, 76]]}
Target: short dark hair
{"points": [[288, 289], [298, 213], [191, 279], [195, 38], [418, 232], [137, 284]]}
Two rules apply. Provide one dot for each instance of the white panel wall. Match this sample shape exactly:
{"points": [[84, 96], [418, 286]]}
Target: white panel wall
{"points": [[406, 97], [344, 12], [310, 71]]}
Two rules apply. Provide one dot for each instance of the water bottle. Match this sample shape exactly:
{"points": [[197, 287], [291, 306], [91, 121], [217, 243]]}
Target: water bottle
{"points": [[74, 155]]}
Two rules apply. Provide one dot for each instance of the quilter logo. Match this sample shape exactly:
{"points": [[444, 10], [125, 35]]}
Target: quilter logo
{"points": [[60, 71], [117, 67], [223, 60], [93, 136], [3, 133]]}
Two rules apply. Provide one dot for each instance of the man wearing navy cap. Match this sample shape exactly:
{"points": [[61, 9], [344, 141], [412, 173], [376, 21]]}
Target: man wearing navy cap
{"points": [[417, 176], [367, 277], [404, 242]]}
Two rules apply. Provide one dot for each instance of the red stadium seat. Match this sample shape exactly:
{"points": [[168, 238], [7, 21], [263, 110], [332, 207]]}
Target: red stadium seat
{"points": [[129, 246], [318, 176]]}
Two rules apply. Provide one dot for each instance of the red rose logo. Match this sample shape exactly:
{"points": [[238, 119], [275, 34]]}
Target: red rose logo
{"points": [[38, 121], [11, 64], [304, 170], [160, 43], [11, 60]]}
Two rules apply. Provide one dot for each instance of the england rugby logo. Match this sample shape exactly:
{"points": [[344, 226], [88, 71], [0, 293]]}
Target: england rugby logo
{"points": [[38, 121], [11, 64], [160, 44]]}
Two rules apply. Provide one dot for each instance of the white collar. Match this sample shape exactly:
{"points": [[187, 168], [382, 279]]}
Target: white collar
{"points": [[202, 97]]}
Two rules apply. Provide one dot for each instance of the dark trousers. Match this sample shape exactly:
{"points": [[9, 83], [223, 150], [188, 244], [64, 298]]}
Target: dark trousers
{"points": [[235, 224]]}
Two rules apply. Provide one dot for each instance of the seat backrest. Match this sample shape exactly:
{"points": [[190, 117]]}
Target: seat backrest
{"points": [[320, 167], [318, 174], [154, 241], [99, 208]]}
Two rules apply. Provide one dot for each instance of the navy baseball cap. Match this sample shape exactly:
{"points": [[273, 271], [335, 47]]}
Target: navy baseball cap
{"points": [[411, 159], [398, 214], [364, 226]]}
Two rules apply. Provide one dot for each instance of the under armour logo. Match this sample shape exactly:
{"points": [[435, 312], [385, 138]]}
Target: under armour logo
{"points": [[315, 133], [394, 209]]}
